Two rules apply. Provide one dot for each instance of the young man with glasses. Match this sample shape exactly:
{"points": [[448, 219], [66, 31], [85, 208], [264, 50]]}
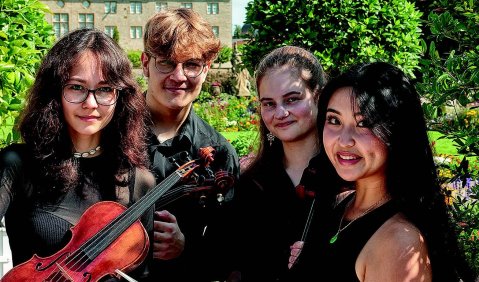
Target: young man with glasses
{"points": [[179, 47]]}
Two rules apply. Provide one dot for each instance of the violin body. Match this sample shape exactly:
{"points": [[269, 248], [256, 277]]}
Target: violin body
{"points": [[110, 237], [125, 253]]}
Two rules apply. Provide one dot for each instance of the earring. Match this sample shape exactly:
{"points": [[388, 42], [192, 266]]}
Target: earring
{"points": [[270, 138]]}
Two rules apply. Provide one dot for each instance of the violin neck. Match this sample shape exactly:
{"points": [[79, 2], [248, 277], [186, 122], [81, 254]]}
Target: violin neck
{"points": [[96, 244]]}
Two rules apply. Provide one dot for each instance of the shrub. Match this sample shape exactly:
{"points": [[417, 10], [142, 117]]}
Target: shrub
{"points": [[226, 112], [449, 73], [243, 145], [135, 58], [25, 37], [225, 55], [225, 79], [116, 35], [340, 33], [142, 82], [461, 186]]}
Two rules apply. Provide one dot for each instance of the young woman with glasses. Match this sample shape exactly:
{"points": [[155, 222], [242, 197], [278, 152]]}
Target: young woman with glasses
{"points": [[84, 142]]}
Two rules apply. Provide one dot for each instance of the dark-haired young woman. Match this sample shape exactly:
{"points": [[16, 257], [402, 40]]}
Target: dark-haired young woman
{"points": [[84, 142], [394, 225]]}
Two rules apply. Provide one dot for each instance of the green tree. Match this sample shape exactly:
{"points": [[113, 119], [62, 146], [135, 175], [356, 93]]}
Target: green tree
{"points": [[237, 31], [449, 83], [116, 35], [225, 55], [450, 72], [25, 37], [340, 33]]}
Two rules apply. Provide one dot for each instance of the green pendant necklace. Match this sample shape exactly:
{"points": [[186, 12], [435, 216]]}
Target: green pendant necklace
{"points": [[381, 201]]}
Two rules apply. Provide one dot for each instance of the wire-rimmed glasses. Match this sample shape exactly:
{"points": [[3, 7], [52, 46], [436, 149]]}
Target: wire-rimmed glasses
{"points": [[76, 94], [191, 68]]}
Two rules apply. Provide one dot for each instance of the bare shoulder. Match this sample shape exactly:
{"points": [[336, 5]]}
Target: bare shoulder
{"points": [[401, 232], [396, 252]]}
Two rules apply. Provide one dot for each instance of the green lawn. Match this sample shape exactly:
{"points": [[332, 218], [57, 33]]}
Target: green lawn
{"points": [[442, 146], [234, 135]]}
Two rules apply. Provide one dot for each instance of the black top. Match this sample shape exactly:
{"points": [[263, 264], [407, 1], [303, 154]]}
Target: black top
{"points": [[35, 227], [336, 261], [202, 225], [271, 218]]}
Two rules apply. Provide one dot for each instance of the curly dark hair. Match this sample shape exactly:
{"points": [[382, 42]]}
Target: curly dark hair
{"points": [[43, 126], [390, 105]]}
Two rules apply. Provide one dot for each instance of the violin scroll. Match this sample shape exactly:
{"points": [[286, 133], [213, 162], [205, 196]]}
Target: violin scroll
{"points": [[206, 155]]}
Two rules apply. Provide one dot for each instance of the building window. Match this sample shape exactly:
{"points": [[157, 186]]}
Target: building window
{"points": [[86, 4], [216, 30], [136, 32], [187, 5], [85, 20], [110, 30], [212, 9], [110, 7], [135, 7], [60, 24], [61, 4], [161, 6]]}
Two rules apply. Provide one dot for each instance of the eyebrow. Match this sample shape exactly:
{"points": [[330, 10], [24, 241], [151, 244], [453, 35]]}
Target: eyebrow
{"points": [[80, 80], [331, 110], [294, 92]]}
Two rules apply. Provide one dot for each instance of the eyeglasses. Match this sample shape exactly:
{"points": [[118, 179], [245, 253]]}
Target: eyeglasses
{"points": [[191, 68], [75, 93]]}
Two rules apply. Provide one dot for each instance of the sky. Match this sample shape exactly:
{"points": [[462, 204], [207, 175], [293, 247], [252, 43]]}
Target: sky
{"points": [[239, 12]]}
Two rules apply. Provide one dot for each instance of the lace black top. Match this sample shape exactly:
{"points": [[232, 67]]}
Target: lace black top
{"points": [[34, 227]]}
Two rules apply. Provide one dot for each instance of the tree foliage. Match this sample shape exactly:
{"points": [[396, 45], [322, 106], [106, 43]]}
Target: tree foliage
{"points": [[25, 36], [450, 72], [116, 35], [225, 55], [340, 33], [237, 31], [449, 84]]}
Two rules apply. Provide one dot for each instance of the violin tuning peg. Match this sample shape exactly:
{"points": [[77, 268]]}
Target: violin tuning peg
{"points": [[202, 201], [220, 198]]}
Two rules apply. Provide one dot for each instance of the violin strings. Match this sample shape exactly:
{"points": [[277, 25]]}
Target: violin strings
{"points": [[78, 256], [170, 196], [90, 244]]}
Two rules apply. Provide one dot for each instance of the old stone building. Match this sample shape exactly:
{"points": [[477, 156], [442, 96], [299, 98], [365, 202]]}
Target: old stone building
{"points": [[130, 16]]}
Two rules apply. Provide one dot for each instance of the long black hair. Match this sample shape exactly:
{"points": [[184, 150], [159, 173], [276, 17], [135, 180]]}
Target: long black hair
{"points": [[391, 106]]}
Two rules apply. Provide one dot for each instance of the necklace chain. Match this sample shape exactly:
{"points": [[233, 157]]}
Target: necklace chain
{"points": [[87, 153], [381, 201]]}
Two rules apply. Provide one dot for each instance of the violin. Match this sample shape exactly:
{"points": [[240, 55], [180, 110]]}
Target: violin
{"points": [[109, 239]]}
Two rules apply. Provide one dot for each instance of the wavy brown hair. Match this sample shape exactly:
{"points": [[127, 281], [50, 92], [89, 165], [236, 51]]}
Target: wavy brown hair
{"points": [[180, 34], [44, 129]]}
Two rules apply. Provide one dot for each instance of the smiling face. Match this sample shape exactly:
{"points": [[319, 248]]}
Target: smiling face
{"points": [[87, 119], [355, 152], [288, 107], [171, 91]]}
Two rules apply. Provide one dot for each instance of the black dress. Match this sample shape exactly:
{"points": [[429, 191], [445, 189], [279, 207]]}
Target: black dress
{"points": [[336, 261], [35, 227], [271, 216]]}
